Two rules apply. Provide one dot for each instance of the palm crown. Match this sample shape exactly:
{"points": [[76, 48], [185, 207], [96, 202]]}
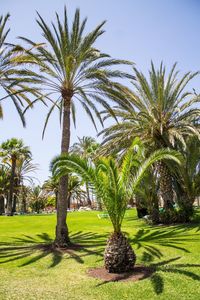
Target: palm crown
{"points": [[160, 111], [112, 183], [71, 67], [14, 81]]}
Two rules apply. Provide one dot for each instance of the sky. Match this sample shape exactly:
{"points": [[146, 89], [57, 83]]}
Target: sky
{"points": [[136, 30]]}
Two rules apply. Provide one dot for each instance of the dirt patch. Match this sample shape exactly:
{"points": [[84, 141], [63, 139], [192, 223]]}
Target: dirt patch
{"points": [[139, 273]]}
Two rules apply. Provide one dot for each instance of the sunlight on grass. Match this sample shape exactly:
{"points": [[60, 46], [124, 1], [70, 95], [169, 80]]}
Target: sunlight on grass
{"points": [[29, 269]]}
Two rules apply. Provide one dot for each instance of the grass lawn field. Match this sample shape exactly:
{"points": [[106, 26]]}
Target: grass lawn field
{"points": [[27, 272]]}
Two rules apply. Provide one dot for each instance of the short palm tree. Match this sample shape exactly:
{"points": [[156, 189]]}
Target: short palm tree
{"points": [[161, 112], [72, 70], [10, 151], [115, 185]]}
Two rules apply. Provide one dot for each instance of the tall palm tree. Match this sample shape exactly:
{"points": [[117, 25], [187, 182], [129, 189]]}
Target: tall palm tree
{"points": [[72, 70], [85, 147], [161, 112], [114, 185], [14, 80], [10, 151]]}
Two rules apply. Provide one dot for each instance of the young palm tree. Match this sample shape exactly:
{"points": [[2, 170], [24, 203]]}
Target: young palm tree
{"points": [[161, 112], [72, 70], [11, 151], [114, 185], [85, 147]]}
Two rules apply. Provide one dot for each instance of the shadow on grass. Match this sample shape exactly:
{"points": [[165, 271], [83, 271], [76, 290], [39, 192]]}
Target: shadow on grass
{"points": [[165, 267], [153, 240], [155, 273], [35, 249]]}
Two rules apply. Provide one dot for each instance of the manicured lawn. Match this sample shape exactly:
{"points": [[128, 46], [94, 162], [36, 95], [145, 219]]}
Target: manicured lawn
{"points": [[29, 273]]}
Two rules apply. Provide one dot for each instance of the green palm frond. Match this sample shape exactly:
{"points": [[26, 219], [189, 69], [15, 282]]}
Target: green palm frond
{"points": [[69, 61], [160, 111], [112, 183]]}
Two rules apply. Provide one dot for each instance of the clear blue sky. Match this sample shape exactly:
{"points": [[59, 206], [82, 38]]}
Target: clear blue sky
{"points": [[137, 30]]}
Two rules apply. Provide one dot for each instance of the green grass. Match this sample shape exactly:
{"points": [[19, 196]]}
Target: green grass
{"points": [[29, 273]]}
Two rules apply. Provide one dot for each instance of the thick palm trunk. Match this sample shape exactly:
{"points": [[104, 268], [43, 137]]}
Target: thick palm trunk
{"points": [[11, 190], [62, 236], [166, 188], [119, 256], [2, 205]]}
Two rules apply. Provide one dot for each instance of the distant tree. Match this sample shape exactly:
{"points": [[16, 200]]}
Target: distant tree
{"points": [[4, 186], [87, 148], [51, 186], [10, 151], [37, 199]]}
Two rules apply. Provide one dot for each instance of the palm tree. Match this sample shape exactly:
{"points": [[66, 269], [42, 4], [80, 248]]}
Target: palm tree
{"points": [[4, 186], [73, 70], [85, 147], [187, 179], [37, 198], [162, 113], [114, 185], [74, 189], [25, 168], [10, 151], [51, 186], [14, 81]]}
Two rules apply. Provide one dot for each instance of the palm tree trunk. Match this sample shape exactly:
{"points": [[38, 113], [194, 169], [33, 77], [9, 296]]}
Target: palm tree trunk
{"points": [[119, 256], [166, 188], [2, 205], [56, 196], [62, 236], [89, 202], [24, 195], [11, 190], [14, 203], [69, 201]]}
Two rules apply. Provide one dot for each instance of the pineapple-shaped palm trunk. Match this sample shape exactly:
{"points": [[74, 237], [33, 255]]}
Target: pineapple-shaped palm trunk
{"points": [[119, 256]]}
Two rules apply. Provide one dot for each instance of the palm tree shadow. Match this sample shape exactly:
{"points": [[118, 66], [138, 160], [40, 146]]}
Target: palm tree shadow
{"points": [[152, 241], [155, 273], [164, 266], [36, 248]]}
